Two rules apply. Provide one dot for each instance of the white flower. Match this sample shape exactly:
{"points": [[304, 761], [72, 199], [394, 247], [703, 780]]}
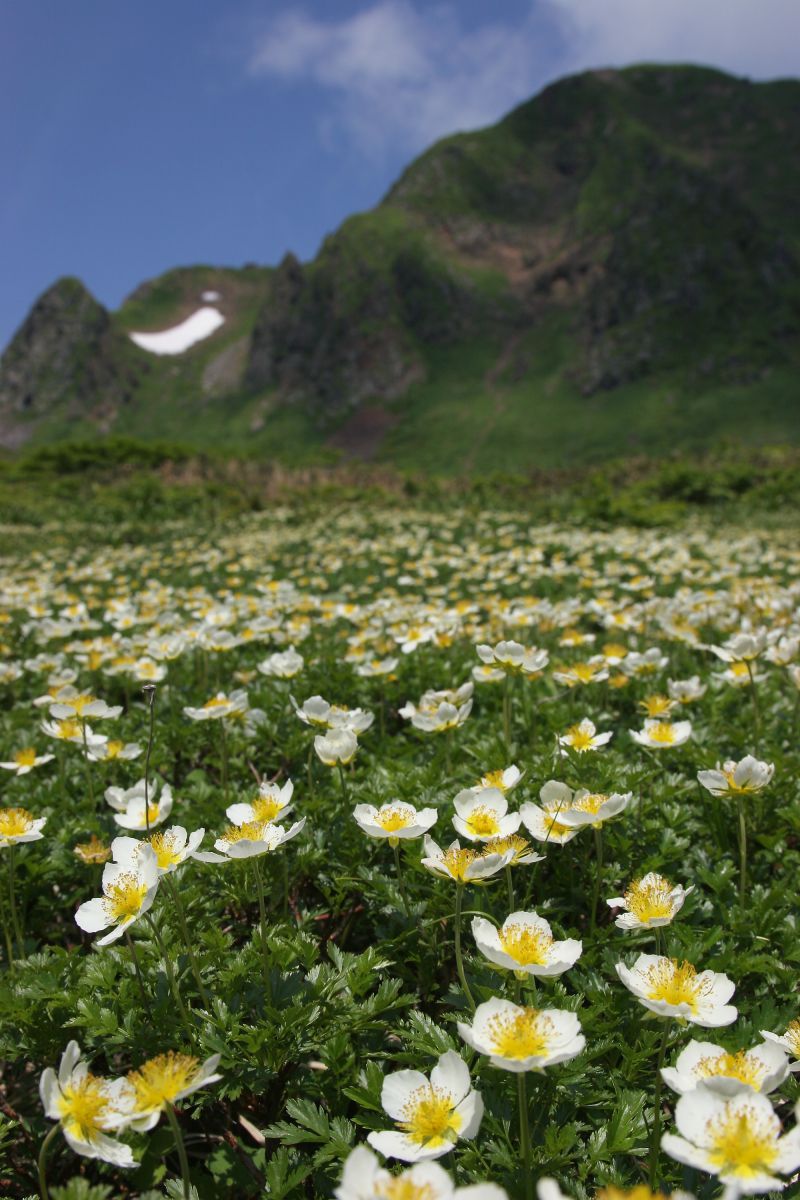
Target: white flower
{"points": [[445, 716], [273, 803], [736, 1138], [761, 1069], [364, 1179], [112, 750], [129, 805], [595, 670], [737, 778], [593, 808], [673, 989], [789, 1041], [432, 1115], [548, 1189], [376, 667], [648, 663], [463, 866], [686, 690], [583, 737], [172, 847], [505, 779], [486, 674], [394, 821], [70, 729], [525, 944], [162, 1081], [219, 706], [649, 902], [482, 814], [336, 746], [742, 647], [25, 760], [431, 700], [514, 658], [285, 664], [70, 703], [320, 713], [17, 825], [658, 734], [523, 1039], [250, 840], [128, 892], [88, 1108], [545, 824]]}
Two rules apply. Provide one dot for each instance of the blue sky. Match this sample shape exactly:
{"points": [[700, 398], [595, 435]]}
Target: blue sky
{"points": [[138, 135]]}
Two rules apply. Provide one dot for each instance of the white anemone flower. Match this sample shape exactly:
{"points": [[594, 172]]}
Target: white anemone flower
{"points": [[649, 902], [396, 821], [336, 747], [482, 814], [444, 717], [463, 865], [250, 840], [582, 738], [88, 1108], [742, 647], [732, 778], [172, 848], [219, 706], [284, 664], [523, 1039], [657, 735], [70, 729], [514, 659], [374, 668], [272, 803], [131, 811], [672, 989], [364, 1179], [548, 1189], [789, 1040], [686, 690], [544, 823], [593, 808], [129, 890], [505, 779], [737, 1138], [17, 825], [70, 703], [319, 713], [25, 760], [761, 1069], [483, 673], [162, 1081], [524, 944], [432, 1114], [113, 750]]}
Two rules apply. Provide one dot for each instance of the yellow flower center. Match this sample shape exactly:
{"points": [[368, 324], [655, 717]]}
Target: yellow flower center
{"points": [[26, 757], [641, 1192], [494, 779], [739, 670], [164, 846], [592, 802], [82, 1107], [513, 841], [160, 1079], [674, 983], [792, 1036], [585, 672], [740, 788], [396, 816], [526, 944], [113, 749], [68, 728], [657, 706], [615, 650], [662, 732], [429, 1117], [124, 897], [456, 862], [741, 1144], [579, 739], [398, 1188], [14, 822], [483, 822], [216, 702], [521, 1035], [79, 703], [739, 1066], [251, 830], [267, 808], [650, 901], [92, 851]]}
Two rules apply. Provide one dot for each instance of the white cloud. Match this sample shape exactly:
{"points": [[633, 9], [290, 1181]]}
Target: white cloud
{"points": [[401, 75]]}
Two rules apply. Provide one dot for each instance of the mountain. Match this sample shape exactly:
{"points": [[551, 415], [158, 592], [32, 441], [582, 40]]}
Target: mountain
{"points": [[613, 267]]}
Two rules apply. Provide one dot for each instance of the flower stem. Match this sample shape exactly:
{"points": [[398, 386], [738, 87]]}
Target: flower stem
{"points": [[186, 939], [507, 712], [15, 921], [524, 1134], [43, 1192], [86, 764], [400, 881], [459, 958], [598, 866], [224, 759], [263, 916], [138, 972], [756, 706], [343, 782], [742, 851], [512, 903], [655, 1145], [181, 1148], [170, 973], [311, 770], [150, 696]]}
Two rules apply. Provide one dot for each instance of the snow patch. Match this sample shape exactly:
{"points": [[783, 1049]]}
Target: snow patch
{"points": [[195, 328]]}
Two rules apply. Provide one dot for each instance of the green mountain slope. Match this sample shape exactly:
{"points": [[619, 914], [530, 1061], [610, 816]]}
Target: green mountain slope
{"points": [[613, 267]]}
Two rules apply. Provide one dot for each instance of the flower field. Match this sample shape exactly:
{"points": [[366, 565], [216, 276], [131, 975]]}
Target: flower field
{"points": [[406, 856]]}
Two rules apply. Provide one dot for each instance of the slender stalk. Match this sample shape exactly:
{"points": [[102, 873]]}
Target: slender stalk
{"points": [[224, 758], [181, 1148], [15, 921], [43, 1192], [400, 880], [89, 783], [448, 751], [343, 782], [62, 792], [7, 939], [459, 958], [179, 909], [170, 973], [742, 851], [756, 706], [507, 712], [598, 848], [263, 915], [311, 770], [138, 973], [655, 1145], [658, 934], [512, 903], [524, 1134], [149, 690]]}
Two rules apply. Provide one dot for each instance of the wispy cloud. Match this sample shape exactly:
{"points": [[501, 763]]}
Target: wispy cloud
{"points": [[400, 75]]}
